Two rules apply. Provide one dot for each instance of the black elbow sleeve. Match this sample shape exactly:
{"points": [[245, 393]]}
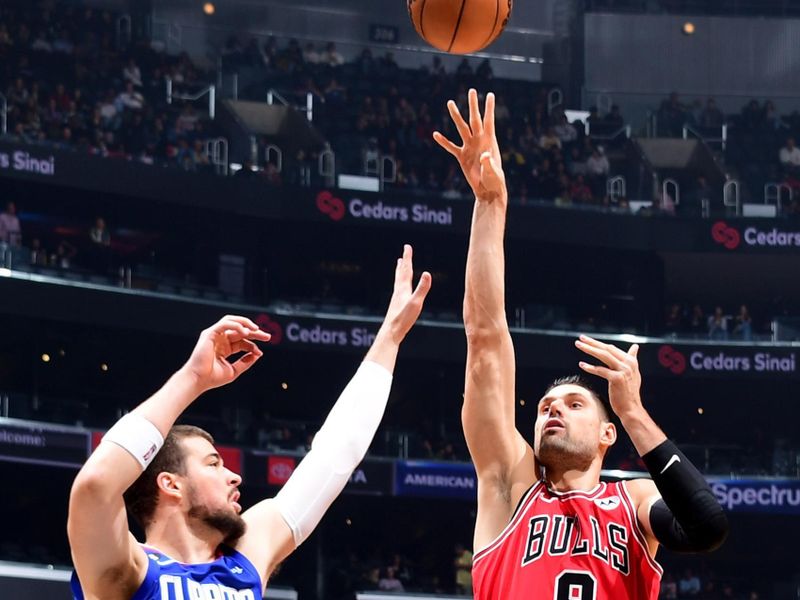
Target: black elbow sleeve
{"points": [[688, 518]]}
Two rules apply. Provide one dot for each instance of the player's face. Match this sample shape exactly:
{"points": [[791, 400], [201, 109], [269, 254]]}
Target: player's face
{"points": [[570, 432], [213, 493]]}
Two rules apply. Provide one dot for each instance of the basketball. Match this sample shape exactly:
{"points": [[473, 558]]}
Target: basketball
{"points": [[459, 26]]}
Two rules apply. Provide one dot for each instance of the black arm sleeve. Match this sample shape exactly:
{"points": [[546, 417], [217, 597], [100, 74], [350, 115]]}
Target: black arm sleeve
{"points": [[688, 518]]}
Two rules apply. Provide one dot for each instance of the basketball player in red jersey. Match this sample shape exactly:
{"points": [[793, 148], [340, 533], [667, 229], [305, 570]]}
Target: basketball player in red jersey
{"points": [[546, 526]]}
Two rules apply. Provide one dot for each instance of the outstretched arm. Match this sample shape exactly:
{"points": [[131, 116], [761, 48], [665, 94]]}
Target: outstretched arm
{"points": [[677, 509], [106, 556], [277, 526], [503, 460]]}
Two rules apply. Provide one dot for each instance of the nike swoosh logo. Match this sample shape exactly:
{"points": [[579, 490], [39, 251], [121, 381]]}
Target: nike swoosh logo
{"points": [[675, 458]]}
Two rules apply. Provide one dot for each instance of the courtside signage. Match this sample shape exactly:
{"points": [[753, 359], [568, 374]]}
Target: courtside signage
{"points": [[377, 209], [730, 360], [731, 238], [322, 333], [40, 444], [754, 496], [435, 480], [27, 162]]}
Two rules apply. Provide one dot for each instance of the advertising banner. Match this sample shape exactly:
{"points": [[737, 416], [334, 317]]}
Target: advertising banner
{"points": [[43, 444], [710, 361], [435, 480], [758, 496], [372, 478], [392, 208]]}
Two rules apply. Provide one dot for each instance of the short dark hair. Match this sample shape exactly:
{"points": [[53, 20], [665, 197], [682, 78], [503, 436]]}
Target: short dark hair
{"points": [[579, 380], [141, 498]]}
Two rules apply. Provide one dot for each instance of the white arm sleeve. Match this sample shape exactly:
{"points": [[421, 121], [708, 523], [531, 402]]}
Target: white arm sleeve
{"points": [[338, 447]]}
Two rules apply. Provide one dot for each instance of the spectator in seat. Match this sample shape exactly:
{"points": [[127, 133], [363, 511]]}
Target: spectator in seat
{"points": [[388, 64], [10, 230], [669, 587], [464, 70], [597, 164], [310, 54], [63, 255], [790, 157], [484, 71], [187, 120], [132, 74], [99, 233], [331, 56], [565, 130], [501, 112], [614, 118], [718, 325], [549, 140], [671, 116], [130, 99], [463, 569], [752, 116], [38, 253], [772, 119], [743, 327], [688, 585], [711, 115], [579, 191], [389, 582]]}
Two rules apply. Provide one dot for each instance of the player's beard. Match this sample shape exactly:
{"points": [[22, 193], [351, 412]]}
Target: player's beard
{"points": [[227, 522], [560, 452]]}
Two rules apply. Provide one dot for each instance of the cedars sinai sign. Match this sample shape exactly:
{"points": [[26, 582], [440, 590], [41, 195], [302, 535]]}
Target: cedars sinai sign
{"points": [[27, 162]]}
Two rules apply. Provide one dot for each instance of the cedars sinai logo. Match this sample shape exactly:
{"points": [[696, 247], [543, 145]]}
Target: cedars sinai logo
{"points": [[265, 322], [330, 205], [671, 359], [724, 234]]}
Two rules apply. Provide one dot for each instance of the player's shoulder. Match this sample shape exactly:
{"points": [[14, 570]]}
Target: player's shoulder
{"points": [[640, 490]]}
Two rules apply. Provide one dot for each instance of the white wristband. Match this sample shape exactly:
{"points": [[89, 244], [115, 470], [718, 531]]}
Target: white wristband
{"points": [[137, 436]]}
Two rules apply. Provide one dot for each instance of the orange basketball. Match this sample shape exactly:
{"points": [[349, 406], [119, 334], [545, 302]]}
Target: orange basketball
{"points": [[459, 26]]}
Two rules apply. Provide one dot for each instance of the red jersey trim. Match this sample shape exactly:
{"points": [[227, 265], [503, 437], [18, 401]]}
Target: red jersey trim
{"points": [[638, 534], [589, 494], [596, 491], [512, 524]]}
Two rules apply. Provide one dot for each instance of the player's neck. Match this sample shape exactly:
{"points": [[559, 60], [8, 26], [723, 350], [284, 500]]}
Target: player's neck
{"points": [[183, 542], [571, 480]]}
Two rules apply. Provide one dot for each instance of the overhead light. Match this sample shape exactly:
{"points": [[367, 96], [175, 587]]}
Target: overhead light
{"points": [[209, 8], [688, 28], [45, 357]]}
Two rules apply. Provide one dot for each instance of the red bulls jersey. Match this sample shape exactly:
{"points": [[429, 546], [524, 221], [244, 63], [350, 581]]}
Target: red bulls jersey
{"points": [[569, 546]]}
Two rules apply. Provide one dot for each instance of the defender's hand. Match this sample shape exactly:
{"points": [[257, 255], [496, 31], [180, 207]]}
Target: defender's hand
{"points": [[406, 303], [209, 365], [479, 156], [621, 372]]}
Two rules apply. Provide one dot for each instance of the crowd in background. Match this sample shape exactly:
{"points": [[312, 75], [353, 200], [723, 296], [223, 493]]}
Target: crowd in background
{"points": [[70, 82], [693, 320]]}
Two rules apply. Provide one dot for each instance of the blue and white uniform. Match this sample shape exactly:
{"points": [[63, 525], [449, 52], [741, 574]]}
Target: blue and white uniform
{"points": [[229, 577]]}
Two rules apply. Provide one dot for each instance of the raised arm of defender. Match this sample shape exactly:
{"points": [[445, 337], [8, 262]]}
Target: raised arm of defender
{"points": [[277, 526], [503, 460], [106, 556]]}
